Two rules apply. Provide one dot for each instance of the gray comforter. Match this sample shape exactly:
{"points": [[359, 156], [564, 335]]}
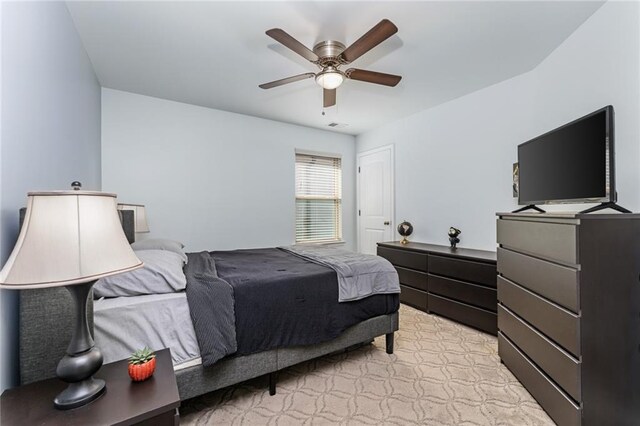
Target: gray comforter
{"points": [[359, 275], [212, 308], [246, 301]]}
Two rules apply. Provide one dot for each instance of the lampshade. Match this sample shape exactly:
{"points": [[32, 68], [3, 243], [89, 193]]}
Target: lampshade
{"points": [[139, 216], [68, 237], [330, 78]]}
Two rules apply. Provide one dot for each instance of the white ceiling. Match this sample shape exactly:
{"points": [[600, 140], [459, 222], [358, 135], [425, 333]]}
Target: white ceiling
{"points": [[215, 54]]}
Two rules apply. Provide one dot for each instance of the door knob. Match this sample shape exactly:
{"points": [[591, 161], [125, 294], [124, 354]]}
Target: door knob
{"points": [[386, 222]]}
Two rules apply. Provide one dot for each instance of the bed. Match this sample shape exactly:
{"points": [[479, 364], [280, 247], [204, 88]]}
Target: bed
{"points": [[286, 311]]}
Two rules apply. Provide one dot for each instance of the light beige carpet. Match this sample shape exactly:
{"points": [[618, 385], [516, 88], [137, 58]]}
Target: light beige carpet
{"points": [[441, 373]]}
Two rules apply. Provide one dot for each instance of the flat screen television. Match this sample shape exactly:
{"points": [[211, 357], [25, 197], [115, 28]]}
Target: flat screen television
{"points": [[571, 164]]}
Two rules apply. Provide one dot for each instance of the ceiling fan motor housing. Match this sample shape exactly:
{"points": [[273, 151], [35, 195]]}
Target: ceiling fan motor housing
{"points": [[328, 52]]}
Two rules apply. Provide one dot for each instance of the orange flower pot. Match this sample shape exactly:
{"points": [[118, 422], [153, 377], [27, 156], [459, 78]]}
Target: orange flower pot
{"points": [[140, 372]]}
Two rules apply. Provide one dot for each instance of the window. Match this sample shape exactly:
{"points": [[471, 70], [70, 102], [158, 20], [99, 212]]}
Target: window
{"points": [[318, 198]]}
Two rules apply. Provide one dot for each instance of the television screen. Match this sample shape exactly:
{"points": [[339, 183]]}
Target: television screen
{"points": [[573, 163]]}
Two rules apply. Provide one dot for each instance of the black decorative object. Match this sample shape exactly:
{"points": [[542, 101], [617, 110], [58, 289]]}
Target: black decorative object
{"points": [[405, 229], [453, 236]]}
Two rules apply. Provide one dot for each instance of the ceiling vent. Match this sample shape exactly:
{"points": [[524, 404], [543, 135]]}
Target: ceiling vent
{"points": [[337, 125]]}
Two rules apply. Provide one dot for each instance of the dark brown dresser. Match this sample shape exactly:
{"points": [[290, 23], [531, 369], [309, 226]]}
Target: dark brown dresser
{"points": [[569, 313], [458, 284]]}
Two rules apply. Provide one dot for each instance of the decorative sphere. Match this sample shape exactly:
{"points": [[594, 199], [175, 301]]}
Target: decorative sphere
{"points": [[405, 229]]}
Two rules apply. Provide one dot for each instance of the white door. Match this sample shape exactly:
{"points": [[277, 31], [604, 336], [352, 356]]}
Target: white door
{"points": [[375, 198]]}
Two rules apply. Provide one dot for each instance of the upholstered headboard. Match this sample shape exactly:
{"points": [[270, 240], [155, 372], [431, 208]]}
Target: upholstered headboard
{"points": [[128, 224], [46, 321]]}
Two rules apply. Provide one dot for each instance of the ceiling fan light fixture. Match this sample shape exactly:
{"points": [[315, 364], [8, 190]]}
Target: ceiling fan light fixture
{"points": [[330, 78]]}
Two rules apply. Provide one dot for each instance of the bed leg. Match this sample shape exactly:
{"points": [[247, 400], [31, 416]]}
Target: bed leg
{"points": [[389, 340], [273, 378]]}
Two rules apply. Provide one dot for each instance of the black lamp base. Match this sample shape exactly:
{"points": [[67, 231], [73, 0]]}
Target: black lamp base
{"points": [[80, 393], [82, 360]]}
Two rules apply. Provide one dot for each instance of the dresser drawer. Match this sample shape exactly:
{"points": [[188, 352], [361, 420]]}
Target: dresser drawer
{"points": [[555, 402], [476, 295], [553, 241], [555, 362], [404, 258], [412, 278], [555, 282], [483, 273], [413, 297], [463, 313], [557, 323]]}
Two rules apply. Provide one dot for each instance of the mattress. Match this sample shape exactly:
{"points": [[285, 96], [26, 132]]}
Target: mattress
{"points": [[124, 324]]}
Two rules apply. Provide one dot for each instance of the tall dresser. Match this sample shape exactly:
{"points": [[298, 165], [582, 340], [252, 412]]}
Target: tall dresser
{"points": [[569, 313], [459, 284]]}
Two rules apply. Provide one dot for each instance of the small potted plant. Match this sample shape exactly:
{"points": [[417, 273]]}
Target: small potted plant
{"points": [[142, 364]]}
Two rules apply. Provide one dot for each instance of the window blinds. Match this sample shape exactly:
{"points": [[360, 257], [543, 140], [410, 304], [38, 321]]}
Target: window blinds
{"points": [[318, 198]]}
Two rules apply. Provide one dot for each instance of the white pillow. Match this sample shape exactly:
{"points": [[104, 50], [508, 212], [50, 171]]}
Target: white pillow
{"points": [[160, 244], [161, 273]]}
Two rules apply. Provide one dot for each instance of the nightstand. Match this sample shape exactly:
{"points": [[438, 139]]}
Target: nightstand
{"points": [[152, 402]]}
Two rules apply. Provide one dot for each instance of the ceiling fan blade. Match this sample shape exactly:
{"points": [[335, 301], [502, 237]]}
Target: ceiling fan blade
{"points": [[287, 80], [285, 39], [376, 35], [328, 97], [373, 77]]}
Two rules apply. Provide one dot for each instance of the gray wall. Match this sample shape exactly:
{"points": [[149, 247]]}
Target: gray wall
{"points": [[209, 178], [50, 131], [453, 162]]}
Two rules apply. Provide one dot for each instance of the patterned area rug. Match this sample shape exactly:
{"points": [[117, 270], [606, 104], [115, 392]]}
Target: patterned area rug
{"points": [[441, 373]]}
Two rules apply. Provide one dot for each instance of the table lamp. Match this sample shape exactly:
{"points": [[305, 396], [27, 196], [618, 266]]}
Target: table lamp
{"points": [[139, 216], [71, 239]]}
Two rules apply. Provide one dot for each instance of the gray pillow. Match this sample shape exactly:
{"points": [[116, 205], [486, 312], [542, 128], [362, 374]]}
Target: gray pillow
{"points": [[160, 244], [161, 273]]}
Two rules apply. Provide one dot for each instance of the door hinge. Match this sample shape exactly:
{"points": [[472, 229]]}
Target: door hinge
{"points": [[358, 169], [358, 212]]}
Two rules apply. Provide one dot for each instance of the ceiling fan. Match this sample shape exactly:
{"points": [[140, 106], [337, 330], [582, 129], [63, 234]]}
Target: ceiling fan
{"points": [[330, 55]]}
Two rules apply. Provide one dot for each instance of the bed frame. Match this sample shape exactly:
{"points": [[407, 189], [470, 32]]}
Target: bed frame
{"points": [[197, 380], [46, 321]]}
